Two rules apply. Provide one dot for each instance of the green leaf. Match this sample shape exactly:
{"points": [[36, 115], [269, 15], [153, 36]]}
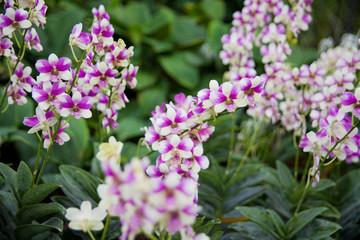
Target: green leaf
{"points": [[206, 228], [331, 211], [134, 13], [318, 229], [36, 211], [157, 46], [176, 66], [277, 221], [23, 179], [9, 202], [285, 177], [73, 151], [259, 217], [187, 33], [214, 9], [323, 185], [160, 22], [301, 56], [217, 235], [242, 196], [146, 78], [296, 223], [78, 184], [15, 114], [129, 127], [215, 31], [28, 231], [252, 230], [152, 97], [38, 193], [9, 175]]}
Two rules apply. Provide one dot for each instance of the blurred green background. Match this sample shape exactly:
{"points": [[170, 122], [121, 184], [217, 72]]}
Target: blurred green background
{"points": [[176, 45]]}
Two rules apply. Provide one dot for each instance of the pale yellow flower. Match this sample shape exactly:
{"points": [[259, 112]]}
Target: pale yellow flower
{"points": [[110, 151]]}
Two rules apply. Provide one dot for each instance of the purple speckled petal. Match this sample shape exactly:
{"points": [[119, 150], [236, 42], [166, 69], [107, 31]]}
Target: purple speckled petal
{"points": [[85, 103], [21, 15], [63, 64], [186, 144], [245, 84], [348, 98], [217, 97], [31, 121], [43, 66]]}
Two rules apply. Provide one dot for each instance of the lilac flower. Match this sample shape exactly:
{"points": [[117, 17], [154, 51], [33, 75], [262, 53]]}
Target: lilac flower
{"points": [[173, 121], [80, 39], [228, 97], [23, 78], [16, 94], [47, 94], [100, 13], [110, 119], [77, 106], [351, 102], [102, 33], [176, 147], [61, 136], [129, 75], [33, 40], [14, 19], [252, 89], [314, 142], [5, 46], [314, 169], [119, 56], [103, 75], [53, 69], [38, 13], [41, 121]]}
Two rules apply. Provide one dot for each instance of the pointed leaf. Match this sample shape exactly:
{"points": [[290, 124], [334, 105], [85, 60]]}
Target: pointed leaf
{"points": [[9, 175], [33, 212], [296, 223], [38, 193], [318, 229], [277, 221], [286, 178], [239, 197], [28, 231], [23, 179], [252, 230], [259, 217]]}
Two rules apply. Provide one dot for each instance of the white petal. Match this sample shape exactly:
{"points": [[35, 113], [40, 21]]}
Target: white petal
{"points": [[175, 140], [53, 59], [72, 213], [98, 214], [226, 88]]}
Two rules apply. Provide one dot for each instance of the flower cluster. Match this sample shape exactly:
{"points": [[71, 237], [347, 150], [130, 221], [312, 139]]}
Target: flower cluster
{"points": [[20, 15], [98, 81], [140, 202], [322, 90]]}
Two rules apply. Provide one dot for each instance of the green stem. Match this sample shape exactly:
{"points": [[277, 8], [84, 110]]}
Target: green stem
{"points": [[231, 146], [257, 130], [43, 164], [305, 170], [107, 223], [36, 162], [138, 147], [296, 157], [77, 71], [91, 235]]}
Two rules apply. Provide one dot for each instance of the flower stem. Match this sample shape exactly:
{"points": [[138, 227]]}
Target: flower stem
{"points": [[36, 162], [107, 223], [256, 133], [231, 146], [296, 145], [91, 235]]}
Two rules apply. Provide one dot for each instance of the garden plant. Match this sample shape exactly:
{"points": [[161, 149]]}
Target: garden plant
{"points": [[94, 147]]}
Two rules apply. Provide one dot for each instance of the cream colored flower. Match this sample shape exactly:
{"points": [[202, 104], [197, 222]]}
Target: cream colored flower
{"points": [[85, 218], [110, 151]]}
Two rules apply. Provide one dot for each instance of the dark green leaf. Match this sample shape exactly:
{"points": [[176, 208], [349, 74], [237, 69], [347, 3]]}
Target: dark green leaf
{"points": [[215, 31], [9, 202], [318, 229], [36, 211], [129, 127], [217, 235], [323, 185], [160, 22], [152, 97], [176, 66], [187, 33], [296, 223], [331, 209], [146, 78], [9, 175], [78, 184], [23, 179], [38, 193], [259, 217], [206, 228], [214, 9], [301, 56], [252, 230], [286, 178], [242, 196], [28, 231], [15, 114], [277, 221]]}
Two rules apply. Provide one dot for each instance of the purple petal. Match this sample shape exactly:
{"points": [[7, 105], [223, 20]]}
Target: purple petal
{"points": [[43, 66], [85, 103], [21, 15], [217, 97], [31, 121], [245, 84], [348, 98], [63, 64], [186, 144]]}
